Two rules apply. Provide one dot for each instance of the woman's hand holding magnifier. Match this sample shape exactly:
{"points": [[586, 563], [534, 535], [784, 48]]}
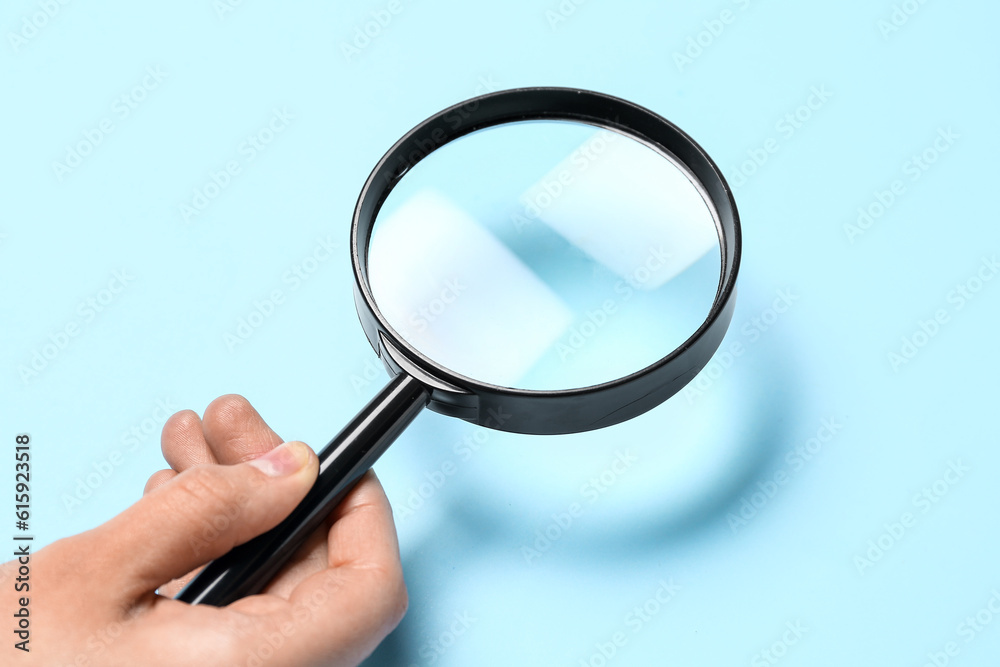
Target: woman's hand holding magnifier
{"points": [[104, 597]]}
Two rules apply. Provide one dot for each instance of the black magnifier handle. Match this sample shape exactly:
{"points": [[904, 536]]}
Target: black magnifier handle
{"points": [[249, 567]]}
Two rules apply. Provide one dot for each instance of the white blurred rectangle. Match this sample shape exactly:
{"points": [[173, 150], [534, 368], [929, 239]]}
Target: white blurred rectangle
{"points": [[459, 295], [628, 207]]}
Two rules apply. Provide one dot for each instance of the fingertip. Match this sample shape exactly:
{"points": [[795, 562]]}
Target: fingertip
{"points": [[183, 442], [229, 412], [179, 424], [235, 431]]}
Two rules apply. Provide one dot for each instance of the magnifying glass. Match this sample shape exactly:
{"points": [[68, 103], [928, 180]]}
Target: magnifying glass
{"points": [[539, 261]]}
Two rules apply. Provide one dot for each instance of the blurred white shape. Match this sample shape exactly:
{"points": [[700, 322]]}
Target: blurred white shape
{"points": [[628, 207], [453, 290]]}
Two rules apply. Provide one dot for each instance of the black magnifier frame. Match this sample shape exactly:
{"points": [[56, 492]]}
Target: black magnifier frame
{"points": [[535, 411], [417, 381]]}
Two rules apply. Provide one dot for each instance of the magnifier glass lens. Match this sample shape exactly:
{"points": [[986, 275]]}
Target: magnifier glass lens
{"points": [[545, 255]]}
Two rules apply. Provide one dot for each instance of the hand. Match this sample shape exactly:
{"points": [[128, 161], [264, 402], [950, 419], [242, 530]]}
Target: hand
{"points": [[103, 598]]}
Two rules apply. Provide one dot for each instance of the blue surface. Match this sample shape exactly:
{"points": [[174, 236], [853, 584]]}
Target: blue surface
{"points": [[665, 531]]}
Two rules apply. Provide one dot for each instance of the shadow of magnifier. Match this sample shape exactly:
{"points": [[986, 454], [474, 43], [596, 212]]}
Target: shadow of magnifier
{"points": [[540, 261]]}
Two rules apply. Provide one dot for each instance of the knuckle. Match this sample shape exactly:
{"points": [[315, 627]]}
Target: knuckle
{"points": [[202, 481], [402, 602], [157, 479], [393, 598]]}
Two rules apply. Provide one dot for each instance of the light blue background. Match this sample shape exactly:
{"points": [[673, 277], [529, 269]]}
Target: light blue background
{"points": [[668, 517]]}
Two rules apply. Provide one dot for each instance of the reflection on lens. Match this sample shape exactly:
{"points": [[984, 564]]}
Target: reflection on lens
{"points": [[545, 255]]}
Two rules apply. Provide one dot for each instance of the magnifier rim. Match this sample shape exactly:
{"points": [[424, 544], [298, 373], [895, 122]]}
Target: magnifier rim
{"points": [[523, 104], [664, 153]]}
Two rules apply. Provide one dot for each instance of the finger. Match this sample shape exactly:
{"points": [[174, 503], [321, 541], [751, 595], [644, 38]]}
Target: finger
{"points": [[201, 514], [343, 612], [157, 479], [235, 432], [183, 442]]}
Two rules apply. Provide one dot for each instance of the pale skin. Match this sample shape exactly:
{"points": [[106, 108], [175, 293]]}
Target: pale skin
{"points": [[94, 599]]}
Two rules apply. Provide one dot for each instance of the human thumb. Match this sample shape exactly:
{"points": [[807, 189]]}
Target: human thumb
{"points": [[201, 514]]}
